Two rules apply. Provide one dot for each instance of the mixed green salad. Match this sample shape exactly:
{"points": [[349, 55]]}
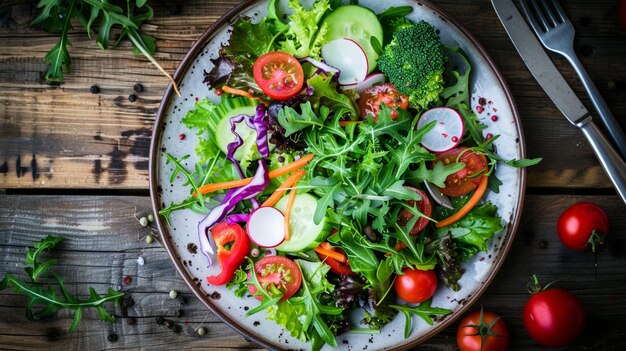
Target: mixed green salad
{"points": [[342, 169]]}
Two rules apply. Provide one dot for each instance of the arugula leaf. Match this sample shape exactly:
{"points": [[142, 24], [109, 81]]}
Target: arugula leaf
{"points": [[423, 310], [45, 296], [437, 175], [293, 121]]}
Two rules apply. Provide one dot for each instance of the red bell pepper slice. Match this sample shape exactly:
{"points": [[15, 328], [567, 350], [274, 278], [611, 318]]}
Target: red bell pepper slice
{"points": [[232, 247]]}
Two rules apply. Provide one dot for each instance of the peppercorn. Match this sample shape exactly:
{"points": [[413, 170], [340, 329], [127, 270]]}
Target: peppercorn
{"points": [[132, 97], [138, 87], [149, 239], [131, 320], [176, 328], [112, 337], [150, 218], [143, 221], [159, 320], [173, 294], [94, 89], [201, 331], [128, 301]]}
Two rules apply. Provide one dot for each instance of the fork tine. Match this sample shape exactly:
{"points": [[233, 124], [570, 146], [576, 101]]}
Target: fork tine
{"points": [[532, 16], [559, 11], [547, 17]]}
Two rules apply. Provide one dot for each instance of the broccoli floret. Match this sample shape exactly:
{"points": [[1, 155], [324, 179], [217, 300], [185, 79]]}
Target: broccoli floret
{"points": [[414, 62], [391, 26]]}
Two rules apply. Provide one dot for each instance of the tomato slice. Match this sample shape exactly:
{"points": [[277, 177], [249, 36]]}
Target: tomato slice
{"points": [[424, 205], [337, 267], [371, 98], [467, 179], [279, 75], [278, 271]]}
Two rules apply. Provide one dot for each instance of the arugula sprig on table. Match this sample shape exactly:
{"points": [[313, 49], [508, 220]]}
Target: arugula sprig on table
{"points": [[96, 17], [42, 293]]}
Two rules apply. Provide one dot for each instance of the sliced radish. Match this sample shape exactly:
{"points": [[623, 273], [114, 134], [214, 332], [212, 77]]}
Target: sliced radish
{"points": [[370, 81], [266, 227], [438, 196], [349, 58], [447, 132]]}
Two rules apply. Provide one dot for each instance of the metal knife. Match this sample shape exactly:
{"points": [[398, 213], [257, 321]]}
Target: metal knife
{"points": [[561, 94]]}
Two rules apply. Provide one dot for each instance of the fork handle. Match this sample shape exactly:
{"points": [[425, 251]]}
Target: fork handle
{"points": [[612, 163], [614, 130]]}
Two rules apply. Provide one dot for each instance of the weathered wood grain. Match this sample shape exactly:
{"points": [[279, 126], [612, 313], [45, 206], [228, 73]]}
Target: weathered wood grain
{"points": [[103, 241], [65, 137]]}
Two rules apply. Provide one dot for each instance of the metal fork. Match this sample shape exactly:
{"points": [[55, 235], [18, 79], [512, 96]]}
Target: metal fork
{"points": [[556, 33]]}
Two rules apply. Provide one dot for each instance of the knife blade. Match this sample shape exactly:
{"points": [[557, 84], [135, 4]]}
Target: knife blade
{"points": [[538, 62], [561, 94]]}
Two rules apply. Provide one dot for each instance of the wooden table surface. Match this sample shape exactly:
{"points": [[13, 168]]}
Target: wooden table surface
{"points": [[75, 164]]}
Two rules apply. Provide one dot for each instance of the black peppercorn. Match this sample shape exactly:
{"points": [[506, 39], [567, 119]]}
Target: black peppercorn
{"points": [[132, 97], [131, 320], [112, 337], [138, 87], [160, 320], [128, 302], [94, 89]]}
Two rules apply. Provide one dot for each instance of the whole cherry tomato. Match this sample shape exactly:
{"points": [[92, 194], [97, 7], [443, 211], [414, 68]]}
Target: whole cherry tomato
{"points": [[482, 331], [554, 317], [582, 225], [416, 285]]}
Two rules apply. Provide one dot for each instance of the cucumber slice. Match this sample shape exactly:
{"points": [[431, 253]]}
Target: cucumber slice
{"points": [[227, 109], [304, 233], [357, 23]]}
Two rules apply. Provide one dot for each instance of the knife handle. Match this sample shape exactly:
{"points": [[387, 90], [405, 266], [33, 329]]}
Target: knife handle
{"points": [[613, 128], [609, 158]]}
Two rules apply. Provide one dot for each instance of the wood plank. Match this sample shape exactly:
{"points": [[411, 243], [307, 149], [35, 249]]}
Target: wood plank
{"points": [[103, 241], [66, 137]]}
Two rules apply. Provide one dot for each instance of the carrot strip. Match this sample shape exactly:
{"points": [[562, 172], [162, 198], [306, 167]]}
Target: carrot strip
{"points": [[330, 253], [347, 123], [400, 245], [478, 194], [290, 201], [209, 188], [282, 189], [239, 92]]}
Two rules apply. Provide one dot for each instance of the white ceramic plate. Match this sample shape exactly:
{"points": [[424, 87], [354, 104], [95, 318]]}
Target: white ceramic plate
{"points": [[490, 96]]}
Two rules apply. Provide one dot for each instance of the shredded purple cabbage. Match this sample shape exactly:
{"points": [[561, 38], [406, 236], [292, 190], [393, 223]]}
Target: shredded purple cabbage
{"points": [[237, 218], [234, 146], [259, 182], [260, 122]]}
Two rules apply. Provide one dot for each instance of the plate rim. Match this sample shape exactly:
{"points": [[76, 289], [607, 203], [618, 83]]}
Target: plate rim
{"points": [[166, 236]]}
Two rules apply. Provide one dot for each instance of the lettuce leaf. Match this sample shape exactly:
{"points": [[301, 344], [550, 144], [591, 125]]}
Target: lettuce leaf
{"points": [[476, 228], [304, 38], [233, 67], [204, 121], [325, 93]]}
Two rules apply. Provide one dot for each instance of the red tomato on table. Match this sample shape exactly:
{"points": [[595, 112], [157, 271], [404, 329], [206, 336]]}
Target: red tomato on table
{"points": [[482, 331], [581, 225]]}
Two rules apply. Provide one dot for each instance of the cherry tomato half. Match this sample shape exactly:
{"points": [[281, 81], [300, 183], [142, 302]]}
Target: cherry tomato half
{"points": [[482, 331], [279, 75], [386, 93], [424, 205], [337, 267], [467, 179], [554, 317], [278, 271], [582, 224], [416, 285]]}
